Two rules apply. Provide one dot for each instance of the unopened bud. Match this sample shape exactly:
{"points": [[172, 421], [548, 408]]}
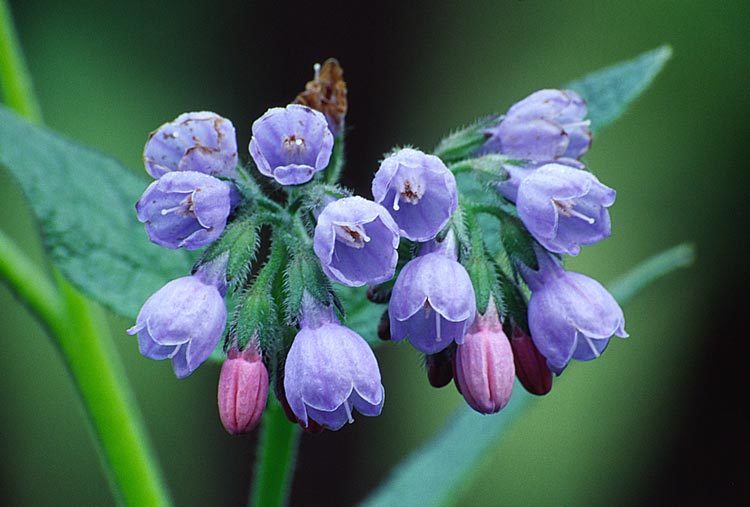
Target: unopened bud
{"points": [[384, 327], [243, 390], [531, 366], [484, 370], [439, 368]]}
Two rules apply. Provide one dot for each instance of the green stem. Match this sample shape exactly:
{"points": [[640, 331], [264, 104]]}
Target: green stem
{"points": [[277, 451], [80, 329], [15, 80], [29, 283]]}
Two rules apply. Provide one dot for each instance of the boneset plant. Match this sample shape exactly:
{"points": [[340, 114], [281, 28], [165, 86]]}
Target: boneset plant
{"points": [[460, 252]]}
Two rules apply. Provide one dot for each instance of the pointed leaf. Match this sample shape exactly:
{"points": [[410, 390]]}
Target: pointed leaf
{"points": [[84, 202]]}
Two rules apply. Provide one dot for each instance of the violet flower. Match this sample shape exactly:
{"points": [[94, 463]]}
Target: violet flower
{"points": [[185, 209], [356, 241], [419, 192], [202, 142], [483, 364], [546, 125], [571, 316], [291, 144], [184, 320], [433, 302], [564, 208], [330, 371]]}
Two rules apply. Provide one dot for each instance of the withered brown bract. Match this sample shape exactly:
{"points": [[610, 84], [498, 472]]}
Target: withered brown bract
{"points": [[327, 93]]}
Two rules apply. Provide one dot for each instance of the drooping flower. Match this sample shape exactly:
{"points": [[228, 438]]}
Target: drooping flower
{"points": [[571, 316], [564, 208], [356, 241], [184, 320], [484, 368], [185, 209], [433, 302], [202, 142], [419, 191], [330, 371], [291, 144], [531, 366], [243, 389], [546, 125], [517, 173]]}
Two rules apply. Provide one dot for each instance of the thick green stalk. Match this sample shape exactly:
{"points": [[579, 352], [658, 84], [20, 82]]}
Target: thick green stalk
{"points": [[80, 329], [277, 452], [15, 80]]}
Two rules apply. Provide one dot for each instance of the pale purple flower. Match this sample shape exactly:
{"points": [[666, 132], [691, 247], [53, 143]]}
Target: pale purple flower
{"points": [[291, 144], [483, 364], [432, 304], [330, 371], [184, 320], [243, 389], [546, 125], [564, 208], [419, 192], [356, 241], [508, 188], [571, 316], [185, 209], [202, 142]]}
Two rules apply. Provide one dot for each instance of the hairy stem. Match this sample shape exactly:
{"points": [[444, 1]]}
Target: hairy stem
{"points": [[79, 329], [277, 451]]}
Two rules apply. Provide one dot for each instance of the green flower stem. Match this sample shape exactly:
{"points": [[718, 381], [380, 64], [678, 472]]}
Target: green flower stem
{"points": [[80, 329], [15, 80], [29, 283], [277, 452]]}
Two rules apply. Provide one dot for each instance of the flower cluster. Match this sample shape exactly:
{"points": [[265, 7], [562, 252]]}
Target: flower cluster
{"points": [[417, 244]]}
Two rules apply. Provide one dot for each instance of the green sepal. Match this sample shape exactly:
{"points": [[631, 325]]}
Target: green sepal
{"points": [[464, 142], [517, 242], [336, 163], [256, 313], [513, 299], [303, 273], [480, 268], [241, 239]]}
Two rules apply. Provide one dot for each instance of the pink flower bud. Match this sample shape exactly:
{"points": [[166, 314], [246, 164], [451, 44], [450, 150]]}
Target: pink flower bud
{"points": [[484, 370], [243, 390], [531, 366]]}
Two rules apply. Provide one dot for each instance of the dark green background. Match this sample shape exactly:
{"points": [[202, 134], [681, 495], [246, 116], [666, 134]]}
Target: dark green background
{"points": [[654, 420]]}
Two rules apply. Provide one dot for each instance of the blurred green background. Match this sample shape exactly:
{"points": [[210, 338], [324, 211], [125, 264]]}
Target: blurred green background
{"points": [[654, 420]]}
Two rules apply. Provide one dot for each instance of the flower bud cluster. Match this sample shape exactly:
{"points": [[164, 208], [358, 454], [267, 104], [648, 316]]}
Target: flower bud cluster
{"points": [[417, 245]]}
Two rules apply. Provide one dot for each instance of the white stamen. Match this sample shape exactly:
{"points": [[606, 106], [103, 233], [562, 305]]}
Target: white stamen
{"points": [[316, 71], [352, 235], [591, 346], [580, 215], [437, 325], [348, 411], [566, 208], [167, 211], [395, 201]]}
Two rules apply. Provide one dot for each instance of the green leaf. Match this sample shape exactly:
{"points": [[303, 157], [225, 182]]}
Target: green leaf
{"points": [[462, 143], [517, 242], [241, 239], [423, 479], [304, 274], [634, 281], [84, 202], [609, 91]]}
